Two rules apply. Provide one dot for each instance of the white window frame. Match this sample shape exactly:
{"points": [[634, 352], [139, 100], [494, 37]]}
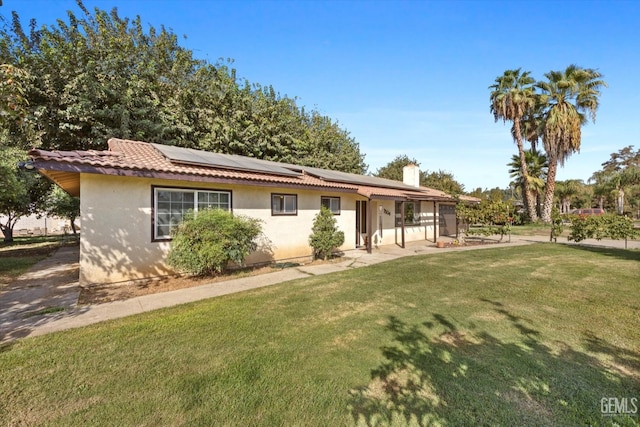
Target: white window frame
{"points": [[196, 205], [332, 202], [285, 198]]}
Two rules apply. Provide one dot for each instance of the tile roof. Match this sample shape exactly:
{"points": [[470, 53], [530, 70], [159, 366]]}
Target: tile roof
{"points": [[138, 158], [142, 156]]}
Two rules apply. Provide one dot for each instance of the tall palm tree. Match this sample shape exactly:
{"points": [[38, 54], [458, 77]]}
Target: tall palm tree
{"points": [[537, 166], [566, 95], [566, 190], [512, 98]]}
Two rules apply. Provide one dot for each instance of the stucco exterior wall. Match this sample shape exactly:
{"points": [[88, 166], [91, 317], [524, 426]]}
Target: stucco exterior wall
{"points": [[116, 215]]}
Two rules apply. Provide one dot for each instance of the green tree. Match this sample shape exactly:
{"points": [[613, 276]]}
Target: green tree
{"points": [[443, 181], [622, 181], [21, 191], [101, 75], [566, 191], [59, 203], [393, 169], [325, 237], [440, 180], [619, 176], [624, 158], [537, 166], [13, 104], [512, 99], [567, 97]]}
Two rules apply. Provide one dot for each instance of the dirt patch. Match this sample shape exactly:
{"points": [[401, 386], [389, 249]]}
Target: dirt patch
{"points": [[99, 294], [471, 242]]}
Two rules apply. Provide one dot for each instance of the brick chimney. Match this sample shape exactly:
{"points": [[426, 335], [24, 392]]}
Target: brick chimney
{"points": [[411, 175]]}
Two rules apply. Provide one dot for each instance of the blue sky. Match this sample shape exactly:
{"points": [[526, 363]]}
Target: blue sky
{"points": [[411, 77]]}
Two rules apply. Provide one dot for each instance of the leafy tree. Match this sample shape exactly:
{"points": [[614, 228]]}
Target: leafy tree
{"points": [[393, 169], [566, 97], [21, 191], [440, 180], [443, 181], [624, 158], [101, 75], [13, 104], [59, 203], [512, 99], [208, 242], [325, 237]]}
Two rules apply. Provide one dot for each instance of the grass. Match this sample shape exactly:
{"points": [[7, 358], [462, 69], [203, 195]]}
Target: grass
{"points": [[536, 229], [528, 335]]}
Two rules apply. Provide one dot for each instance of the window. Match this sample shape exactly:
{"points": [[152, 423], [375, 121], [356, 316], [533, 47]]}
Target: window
{"points": [[284, 204], [171, 205], [411, 213], [331, 203]]}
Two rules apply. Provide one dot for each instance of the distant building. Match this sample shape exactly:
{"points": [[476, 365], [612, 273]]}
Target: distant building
{"points": [[33, 225]]}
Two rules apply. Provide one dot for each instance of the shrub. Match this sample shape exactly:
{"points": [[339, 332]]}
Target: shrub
{"points": [[325, 237], [207, 242], [609, 225], [557, 224], [488, 218]]}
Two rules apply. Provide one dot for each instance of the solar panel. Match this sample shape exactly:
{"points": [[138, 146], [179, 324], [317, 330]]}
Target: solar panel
{"points": [[351, 178], [223, 161]]}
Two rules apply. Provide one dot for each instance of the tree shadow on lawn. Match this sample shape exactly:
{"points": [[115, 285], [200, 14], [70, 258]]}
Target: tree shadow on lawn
{"points": [[437, 374], [625, 254]]}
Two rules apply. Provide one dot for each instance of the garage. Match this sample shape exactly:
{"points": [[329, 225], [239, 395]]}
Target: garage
{"points": [[447, 222]]}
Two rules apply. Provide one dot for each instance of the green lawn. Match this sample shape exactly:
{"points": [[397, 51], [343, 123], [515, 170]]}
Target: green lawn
{"points": [[527, 335]]}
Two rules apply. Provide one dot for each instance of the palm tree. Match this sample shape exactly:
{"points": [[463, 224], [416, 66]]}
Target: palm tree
{"points": [[565, 190], [621, 181], [566, 96], [512, 98], [537, 166]]}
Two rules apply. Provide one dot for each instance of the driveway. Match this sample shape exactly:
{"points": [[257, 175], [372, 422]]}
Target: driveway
{"points": [[48, 291]]}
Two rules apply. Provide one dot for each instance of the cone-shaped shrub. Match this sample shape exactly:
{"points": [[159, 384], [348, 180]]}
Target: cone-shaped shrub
{"points": [[325, 237]]}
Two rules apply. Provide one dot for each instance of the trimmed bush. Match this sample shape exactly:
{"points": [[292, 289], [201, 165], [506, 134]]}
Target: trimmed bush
{"points": [[208, 242], [325, 236], [609, 225]]}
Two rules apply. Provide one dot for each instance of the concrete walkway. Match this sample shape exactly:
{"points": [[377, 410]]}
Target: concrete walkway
{"points": [[52, 285]]}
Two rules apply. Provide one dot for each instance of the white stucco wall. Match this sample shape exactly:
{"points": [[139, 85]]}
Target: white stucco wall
{"points": [[116, 214]]}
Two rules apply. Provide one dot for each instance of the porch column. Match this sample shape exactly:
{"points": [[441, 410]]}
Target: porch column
{"points": [[402, 223], [435, 224], [369, 226]]}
